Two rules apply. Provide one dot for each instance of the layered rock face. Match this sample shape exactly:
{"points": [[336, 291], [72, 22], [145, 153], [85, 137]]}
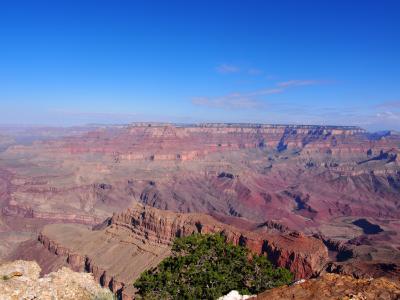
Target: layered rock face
{"points": [[128, 243], [302, 255], [20, 280], [154, 141], [115, 256]]}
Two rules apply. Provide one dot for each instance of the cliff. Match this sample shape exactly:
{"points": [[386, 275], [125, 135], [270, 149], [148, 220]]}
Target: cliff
{"points": [[154, 141], [120, 249], [302, 255]]}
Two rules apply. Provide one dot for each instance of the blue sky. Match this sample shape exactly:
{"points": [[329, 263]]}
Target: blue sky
{"points": [[313, 62]]}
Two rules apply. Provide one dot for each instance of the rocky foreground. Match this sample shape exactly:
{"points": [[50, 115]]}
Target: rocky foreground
{"points": [[332, 286], [20, 280]]}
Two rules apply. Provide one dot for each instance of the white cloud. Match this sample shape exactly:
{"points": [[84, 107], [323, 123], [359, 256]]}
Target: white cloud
{"points": [[229, 102], [388, 115], [292, 83], [227, 69], [265, 92], [255, 72], [389, 104], [250, 100]]}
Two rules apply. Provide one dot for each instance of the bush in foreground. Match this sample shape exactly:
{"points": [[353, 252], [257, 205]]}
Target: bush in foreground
{"points": [[206, 267]]}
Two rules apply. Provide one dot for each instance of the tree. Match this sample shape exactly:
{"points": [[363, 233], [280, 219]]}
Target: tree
{"points": [[207, 267]]}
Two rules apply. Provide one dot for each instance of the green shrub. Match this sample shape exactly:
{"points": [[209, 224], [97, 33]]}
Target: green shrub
{"points": [[206, 267]]}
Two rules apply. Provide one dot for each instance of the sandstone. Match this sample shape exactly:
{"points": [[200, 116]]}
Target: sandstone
{"points": [[332, 286], [63, 284]]}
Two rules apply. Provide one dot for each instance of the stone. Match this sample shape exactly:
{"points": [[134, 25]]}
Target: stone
{"points": [[61, 285], [333, 286]]}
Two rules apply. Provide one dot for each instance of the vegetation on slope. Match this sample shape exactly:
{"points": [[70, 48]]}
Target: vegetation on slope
{"points": [[206, 267]]}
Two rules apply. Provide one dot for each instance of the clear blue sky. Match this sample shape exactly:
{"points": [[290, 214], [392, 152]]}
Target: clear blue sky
{"points": [[323, 62]]}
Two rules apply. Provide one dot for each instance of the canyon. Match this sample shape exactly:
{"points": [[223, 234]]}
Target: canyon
{"points": [[145, 235], [110, 199]]}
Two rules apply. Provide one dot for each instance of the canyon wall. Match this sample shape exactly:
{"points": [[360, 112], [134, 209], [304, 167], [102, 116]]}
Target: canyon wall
{"points": [[302, 255], [150, 232], [155, 141]]}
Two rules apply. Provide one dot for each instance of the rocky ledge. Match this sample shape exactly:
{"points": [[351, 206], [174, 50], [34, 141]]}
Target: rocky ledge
{"points": [[20, 280], [332, 286]]}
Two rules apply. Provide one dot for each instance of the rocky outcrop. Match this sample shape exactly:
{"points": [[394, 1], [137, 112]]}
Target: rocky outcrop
{"points": [[305, 257], [332, 286], [302, 255], [80, 263], [273, 225], [365, 269], [341, 249], [20, 280], [117, 251]]}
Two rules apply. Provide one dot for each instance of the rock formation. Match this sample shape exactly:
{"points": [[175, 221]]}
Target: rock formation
{"points": [[332, 286], [302, 255], [130, 242], [20, 280]]}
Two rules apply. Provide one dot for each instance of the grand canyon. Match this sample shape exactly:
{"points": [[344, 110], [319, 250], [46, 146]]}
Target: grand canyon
{"points": [[109, 200], [216, 150]]}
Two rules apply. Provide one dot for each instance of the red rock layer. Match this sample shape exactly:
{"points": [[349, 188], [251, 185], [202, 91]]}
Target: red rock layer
{"points": [[173, 142], [302, 255]]}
